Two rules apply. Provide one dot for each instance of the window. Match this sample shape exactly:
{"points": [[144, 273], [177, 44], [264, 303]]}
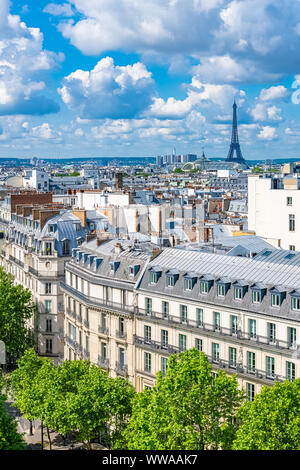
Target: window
{"points": [[48, 288], [164, 338], [66, 247], [121, 325], [251, 361], [147, 359], [221, 290], [270, 366], [49, 326], [147, 333], [271, 332], [148, 306], [51, 228], [103, 350], [295, 303], [188, 284], [238, 293], [199, 314], [292, 248], [48, 306], [275, 300], [216, 320], [48, 247], [165, 309], [290, 371], [182, 343], [289, 201], [252, 329], [292, 340], [250, 390], [183, 313], [103, 320], [198, 344], [87, 343], [122, 356], [80, 338], [256, 296], [234, 324], [153, 278], [204, 287], [164, 365], [170, 281], [215, 352], [48, 346], [232, 357], [292, 223]]}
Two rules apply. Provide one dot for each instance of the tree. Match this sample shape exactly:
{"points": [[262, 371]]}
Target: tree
{"points": [[16, 309], [188, 409], [272, 420], [10, 439]]}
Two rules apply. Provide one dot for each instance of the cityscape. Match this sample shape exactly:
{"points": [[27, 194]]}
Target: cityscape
{"points": [[149, 234]]}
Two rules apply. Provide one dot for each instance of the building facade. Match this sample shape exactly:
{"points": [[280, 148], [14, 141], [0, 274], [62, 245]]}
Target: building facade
{"points": [[242, 314]]}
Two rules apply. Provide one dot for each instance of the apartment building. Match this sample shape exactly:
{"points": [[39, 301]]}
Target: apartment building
{"points": [[38, 240], [274, 209], [242, 312], [100, 303]]}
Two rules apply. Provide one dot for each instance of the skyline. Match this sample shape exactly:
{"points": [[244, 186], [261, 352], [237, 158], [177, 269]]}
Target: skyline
{"points": [[97, 78]]}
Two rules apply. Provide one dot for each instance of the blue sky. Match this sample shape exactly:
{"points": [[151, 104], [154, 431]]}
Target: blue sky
{"points": [[86, 78]]}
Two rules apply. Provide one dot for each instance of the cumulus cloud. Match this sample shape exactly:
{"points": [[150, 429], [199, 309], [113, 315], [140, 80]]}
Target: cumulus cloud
{"points": [[262, 112], [233, 40], [22, 61], [109, 91], [46, 132], [267, 133], [54, 9], [273, 93]]}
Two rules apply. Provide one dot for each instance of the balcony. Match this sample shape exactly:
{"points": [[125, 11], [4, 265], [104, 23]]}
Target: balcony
{"points": [[230, 366], [103, 330], [213, 330], [16, 261], [96, 301], [103, 362], [121, 369], [121, 334]]}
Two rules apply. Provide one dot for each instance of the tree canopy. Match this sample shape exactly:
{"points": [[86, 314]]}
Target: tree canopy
{"points": [[189, 409], [272, 420], [16, 308], [10, 439]]}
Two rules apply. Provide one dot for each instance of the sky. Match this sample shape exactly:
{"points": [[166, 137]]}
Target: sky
{"points": [[88, 78]]}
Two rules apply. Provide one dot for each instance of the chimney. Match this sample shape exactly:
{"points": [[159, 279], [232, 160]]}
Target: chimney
{"points": [[81, 214]]}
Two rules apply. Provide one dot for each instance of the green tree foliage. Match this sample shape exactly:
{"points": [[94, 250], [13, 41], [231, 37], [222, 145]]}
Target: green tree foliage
{"points": [[178, 171], [188, 409], [16, 309], [10, 439], [272, 420], [74, 397]]}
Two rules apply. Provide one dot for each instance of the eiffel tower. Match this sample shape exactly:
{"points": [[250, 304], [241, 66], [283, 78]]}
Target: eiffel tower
{"points": [[235, 145]]}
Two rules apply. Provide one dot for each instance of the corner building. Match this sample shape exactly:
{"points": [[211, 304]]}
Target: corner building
{"points": [[137, 309]]}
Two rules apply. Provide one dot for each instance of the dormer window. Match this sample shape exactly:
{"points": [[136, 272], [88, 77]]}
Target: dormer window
{"points": [[238, 293], [258, 292], [204, 287], [295, 303], [171, 277], [189, 281], [239, 289], [114, 266], [275, 300], [221, 290], [51, 228], [155, 273], [133, 270], [277, 296]]}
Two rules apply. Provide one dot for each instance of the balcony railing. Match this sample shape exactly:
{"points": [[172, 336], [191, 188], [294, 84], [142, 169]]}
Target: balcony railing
{"points": [[121, 368], [103, 330], [103, 362], [121, 334], [219, 330], [96, 301], [216, 361], [16, 261]]}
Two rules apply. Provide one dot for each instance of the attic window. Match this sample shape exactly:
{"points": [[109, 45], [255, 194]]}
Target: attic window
{"points": [[266, 253], [189, 281], [290, 256], [114, 266], [51, 228], [133, 270]]}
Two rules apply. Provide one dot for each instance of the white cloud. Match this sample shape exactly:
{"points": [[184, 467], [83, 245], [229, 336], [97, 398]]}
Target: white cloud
{"points": [[109, 91], [46, 132], [59, 10], [22, 60], [273, 93], [267, 133], [262, 112]]}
